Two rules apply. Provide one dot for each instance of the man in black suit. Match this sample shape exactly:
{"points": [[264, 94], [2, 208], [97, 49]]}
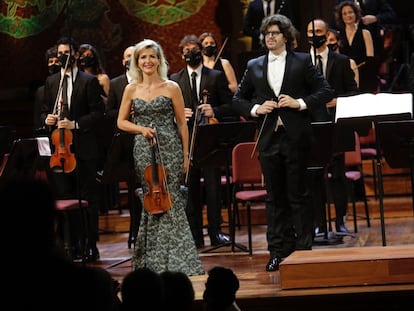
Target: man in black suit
{"points": [[216, 104], [255, 13], [85, 112], [117, 86], [116, 91], [281, 89], [337, 70], [52, 68]]}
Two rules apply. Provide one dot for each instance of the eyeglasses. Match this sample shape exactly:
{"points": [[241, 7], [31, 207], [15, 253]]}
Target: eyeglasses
{"points": [[272, 33]]}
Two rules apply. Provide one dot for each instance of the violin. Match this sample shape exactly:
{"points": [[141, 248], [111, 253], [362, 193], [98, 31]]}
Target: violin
{"points": [[62, 160], [208, 120], [158, 199]]}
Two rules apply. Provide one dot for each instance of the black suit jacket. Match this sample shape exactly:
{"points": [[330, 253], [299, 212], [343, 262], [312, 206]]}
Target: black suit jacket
{"points": [[116, 91], [341, 78], [87, 109], [39, 98], [215, 82], [254, 16], [301, 80]]}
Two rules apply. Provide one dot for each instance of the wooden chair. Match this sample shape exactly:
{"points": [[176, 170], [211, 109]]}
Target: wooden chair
{"points": [[63, 209], [354, 174], [355, 178], [247, 184], [369, 152]]}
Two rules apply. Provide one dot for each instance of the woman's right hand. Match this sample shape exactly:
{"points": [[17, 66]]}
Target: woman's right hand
{"points": [[147, 132]]}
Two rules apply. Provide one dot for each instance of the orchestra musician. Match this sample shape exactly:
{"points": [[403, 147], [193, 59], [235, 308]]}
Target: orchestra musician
{"points": [[85, 111], [279, 89], [213, 83]]}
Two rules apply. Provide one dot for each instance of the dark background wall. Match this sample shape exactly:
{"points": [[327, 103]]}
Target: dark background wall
{"points": [[27, 31]]}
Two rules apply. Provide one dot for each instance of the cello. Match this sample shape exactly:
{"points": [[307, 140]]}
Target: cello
{"points": [[157, 200], [63, 159]]}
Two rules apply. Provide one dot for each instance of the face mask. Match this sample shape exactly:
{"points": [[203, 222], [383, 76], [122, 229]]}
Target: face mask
{"points": [[210, 50], [62, 60], [87, 61], [53, 69], [333, 46], [317, 41], [127, 64], [193, 58]]}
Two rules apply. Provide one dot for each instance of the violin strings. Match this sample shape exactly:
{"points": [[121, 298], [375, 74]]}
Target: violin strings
{"points": [[162, 162]]}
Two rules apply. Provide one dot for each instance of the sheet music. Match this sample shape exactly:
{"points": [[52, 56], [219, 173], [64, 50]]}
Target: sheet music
{"points": [[43, 146], [369, 104]]}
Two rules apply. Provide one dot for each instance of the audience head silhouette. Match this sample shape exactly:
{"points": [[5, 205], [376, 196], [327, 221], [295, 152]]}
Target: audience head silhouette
{"points": [[142, 289], [21, 195], [64, 285], [221, 287], [179, 291]]}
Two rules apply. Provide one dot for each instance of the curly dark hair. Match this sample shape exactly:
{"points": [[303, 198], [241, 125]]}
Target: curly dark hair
{"points": [[338, 12], [285, 27]]}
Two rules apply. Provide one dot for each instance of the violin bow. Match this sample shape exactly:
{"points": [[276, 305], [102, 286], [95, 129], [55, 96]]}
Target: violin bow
{"points": [[258, 137], [221, 50]]}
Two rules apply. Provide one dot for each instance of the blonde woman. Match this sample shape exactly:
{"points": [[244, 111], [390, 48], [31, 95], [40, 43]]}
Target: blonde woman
{"points": [[164, 240]]}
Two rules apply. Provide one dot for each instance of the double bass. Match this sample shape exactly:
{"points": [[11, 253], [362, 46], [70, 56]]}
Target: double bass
{"points": [[157, 200]]}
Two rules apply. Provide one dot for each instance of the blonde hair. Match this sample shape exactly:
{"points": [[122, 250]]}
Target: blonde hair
{"points": [[135, 71]]}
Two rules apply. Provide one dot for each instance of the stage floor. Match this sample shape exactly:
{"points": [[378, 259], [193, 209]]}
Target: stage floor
{"points": [[261, 290]]}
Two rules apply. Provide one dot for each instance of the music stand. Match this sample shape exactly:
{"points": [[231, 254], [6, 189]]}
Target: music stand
{"points": [[396, 139], [326, 143], [365, 111], [23, 160], [212, 148]]}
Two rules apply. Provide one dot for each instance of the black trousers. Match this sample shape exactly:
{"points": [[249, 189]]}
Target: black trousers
{"points": [[288, 212], [212, 185]]}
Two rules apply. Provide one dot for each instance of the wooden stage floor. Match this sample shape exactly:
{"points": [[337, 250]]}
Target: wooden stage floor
{"points": [[261, 290]]}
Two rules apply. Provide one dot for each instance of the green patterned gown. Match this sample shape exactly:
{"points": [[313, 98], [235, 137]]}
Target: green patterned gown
{"points": [[163, 242]]}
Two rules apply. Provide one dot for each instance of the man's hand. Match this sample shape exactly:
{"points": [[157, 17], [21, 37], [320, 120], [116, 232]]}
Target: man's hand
{"points": [[266, 107], [66, 124], [51, 119], [287, 101], [207, 110], [331, 103], [369, 19], [188, 113]]}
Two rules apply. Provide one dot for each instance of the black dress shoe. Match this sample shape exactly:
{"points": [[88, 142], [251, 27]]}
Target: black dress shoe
{"points": [[91, 254], [342, 230], [199, 243], [219, 239], [319, 232], [273, 264]]}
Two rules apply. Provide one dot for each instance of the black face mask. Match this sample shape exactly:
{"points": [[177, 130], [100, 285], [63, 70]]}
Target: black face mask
{"points": [[87, 61], [210, 50], [62, 60], [317, 41], [127, 64], [193, 58], [333, 46], [53, 69]]}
